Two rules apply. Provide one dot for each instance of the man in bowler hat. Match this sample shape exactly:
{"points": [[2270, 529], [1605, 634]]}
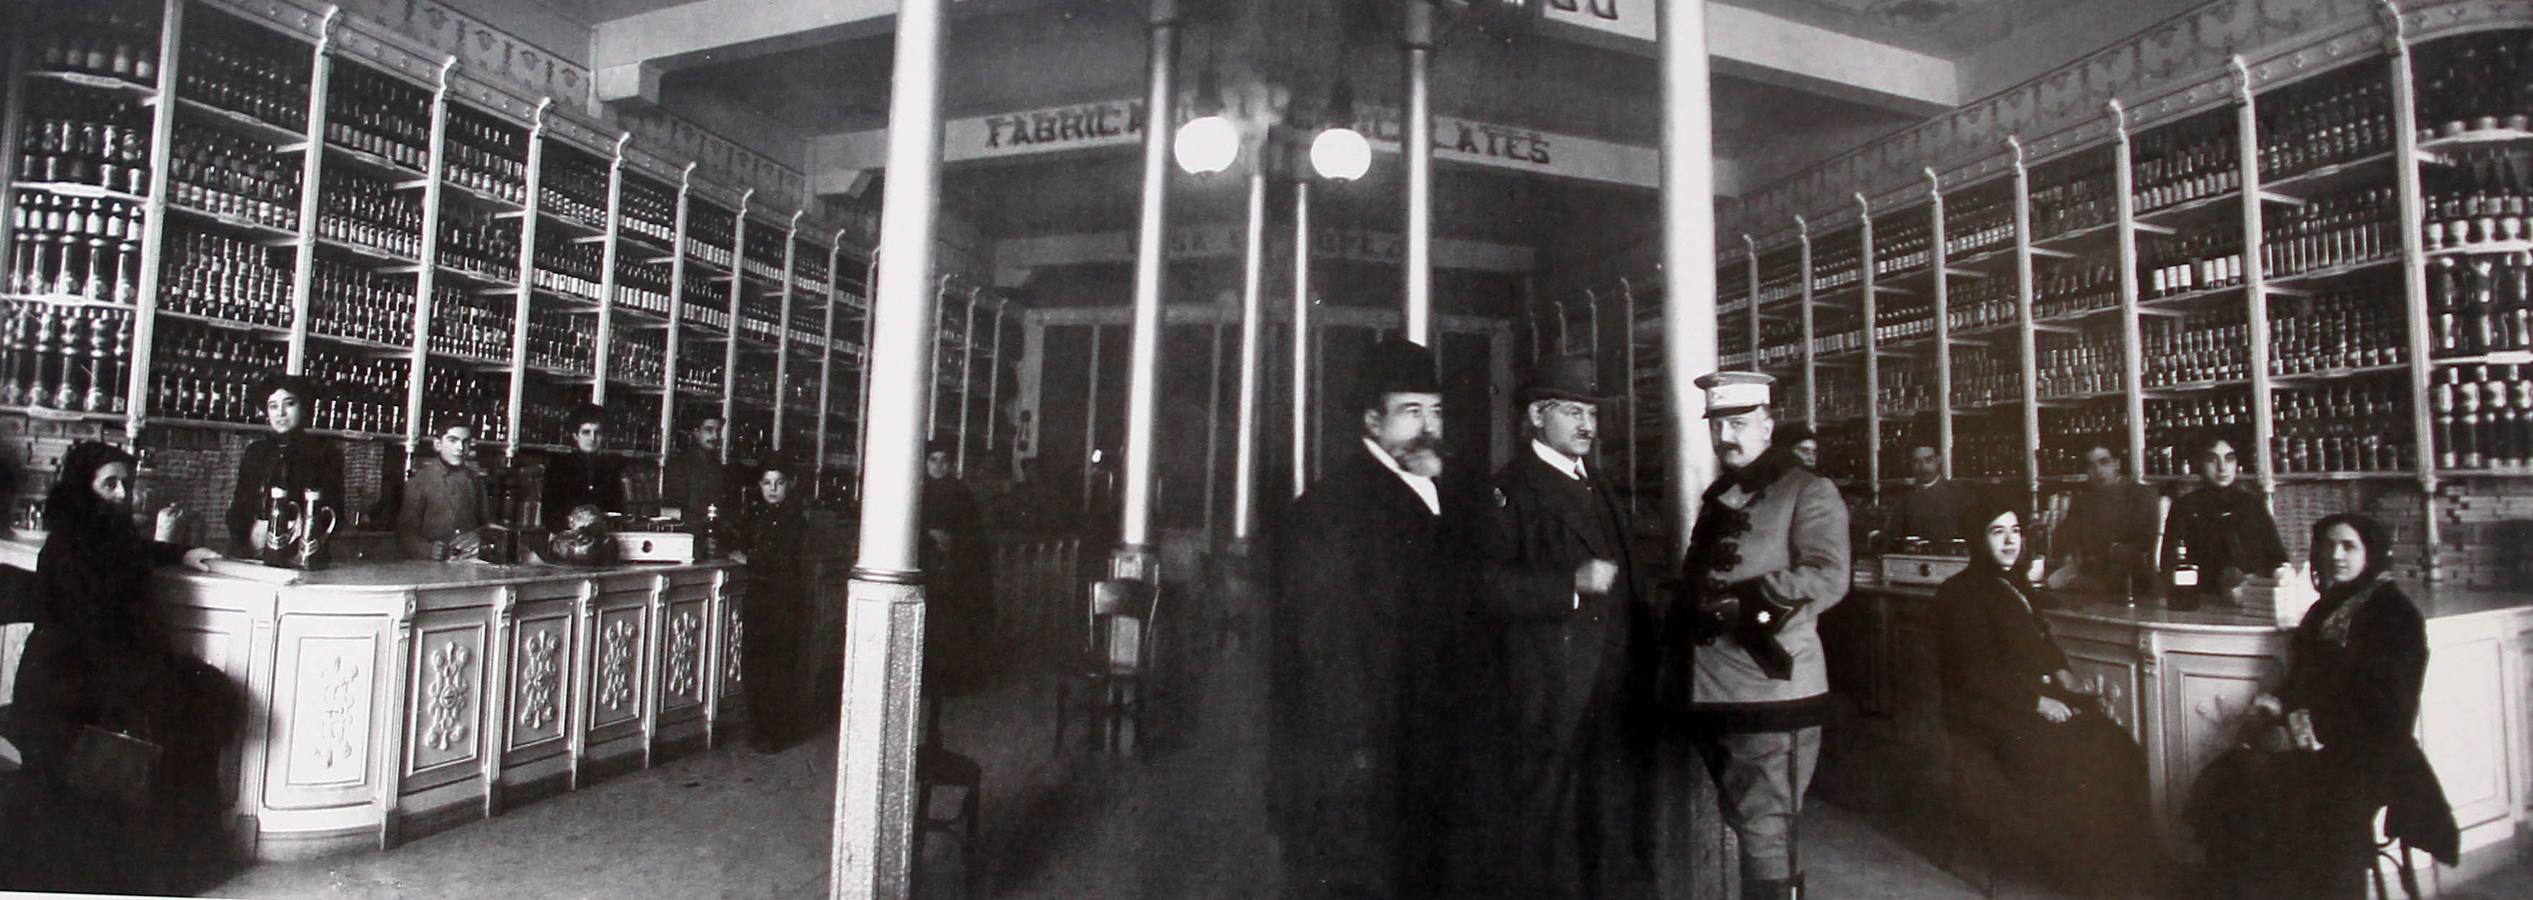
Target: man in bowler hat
{"points": [[1767, 556], [1562, 607], [1361, 755]]}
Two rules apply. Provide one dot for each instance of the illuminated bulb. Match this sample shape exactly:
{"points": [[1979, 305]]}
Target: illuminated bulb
{"points": [[1340, 154], [1207, 145]]}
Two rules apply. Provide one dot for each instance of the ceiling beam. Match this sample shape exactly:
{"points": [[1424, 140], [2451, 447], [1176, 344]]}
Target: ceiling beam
{"points": [[629, 53], [707, 31], [1751, 44]]}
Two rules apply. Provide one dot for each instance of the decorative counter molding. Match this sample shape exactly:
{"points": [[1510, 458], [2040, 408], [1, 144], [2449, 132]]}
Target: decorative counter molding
{"points": [[388, 701]]}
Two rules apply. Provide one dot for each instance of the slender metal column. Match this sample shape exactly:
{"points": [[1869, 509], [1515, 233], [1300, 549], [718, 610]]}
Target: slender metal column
{"points": [[1133, 555], [1417, 145], [967, 372], [1244, 460], [1301, 336], [871, 853], [994, 379], [1688, 251]]}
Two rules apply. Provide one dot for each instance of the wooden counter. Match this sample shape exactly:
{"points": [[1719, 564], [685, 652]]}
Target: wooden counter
{"points": [[2180, 681], [389, 700]]}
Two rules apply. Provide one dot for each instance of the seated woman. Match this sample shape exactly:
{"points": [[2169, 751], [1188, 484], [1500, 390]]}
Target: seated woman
{"points": [[100, 670], [2007, 690], [2296, 809]]}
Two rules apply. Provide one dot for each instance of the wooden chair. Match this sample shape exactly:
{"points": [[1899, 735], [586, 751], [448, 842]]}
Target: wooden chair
{"points": [[936, 767], [1106, 681]]}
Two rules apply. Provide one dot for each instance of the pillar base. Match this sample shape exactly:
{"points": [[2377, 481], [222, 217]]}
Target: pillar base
{"points": [[879, 729]]}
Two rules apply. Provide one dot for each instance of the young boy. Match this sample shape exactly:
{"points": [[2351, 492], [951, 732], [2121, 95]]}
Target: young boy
{"points": [[442, 516]]}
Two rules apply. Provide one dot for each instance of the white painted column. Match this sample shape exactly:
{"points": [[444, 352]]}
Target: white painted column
{"points": [[1244, 474], [875, 798], [1416, 144], [1133, 555]]}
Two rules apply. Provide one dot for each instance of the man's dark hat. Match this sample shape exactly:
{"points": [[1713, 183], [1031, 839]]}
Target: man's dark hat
{"points": [[1573, 377], [1395, 366], [298, 385]]}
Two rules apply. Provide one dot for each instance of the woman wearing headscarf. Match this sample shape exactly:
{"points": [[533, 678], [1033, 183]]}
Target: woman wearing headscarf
{"points": [[2007, 691], [2295, 812], [776, 611], [959, 567], [101, 669]]}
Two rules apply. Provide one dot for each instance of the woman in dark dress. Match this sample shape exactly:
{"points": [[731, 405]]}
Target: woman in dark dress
{"points": [[101, 660], [2295, 810], [776, 613], [2007, 691]]}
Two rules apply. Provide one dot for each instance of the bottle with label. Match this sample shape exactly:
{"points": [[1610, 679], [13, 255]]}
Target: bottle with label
{"points": [[2184, 580], [708, 537]]}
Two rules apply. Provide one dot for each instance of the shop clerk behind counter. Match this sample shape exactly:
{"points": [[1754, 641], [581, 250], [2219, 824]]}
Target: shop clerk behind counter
{"points": [[289, 459], [585, 475]]}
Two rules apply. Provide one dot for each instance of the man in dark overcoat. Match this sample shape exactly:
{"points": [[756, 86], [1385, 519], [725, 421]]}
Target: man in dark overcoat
{"points": [[1767, 556], [1562, 605], [1363, 623]]}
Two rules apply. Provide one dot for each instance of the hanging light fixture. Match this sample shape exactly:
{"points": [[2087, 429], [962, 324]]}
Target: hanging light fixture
{"points": [[1339, 152], [1208, 143]]}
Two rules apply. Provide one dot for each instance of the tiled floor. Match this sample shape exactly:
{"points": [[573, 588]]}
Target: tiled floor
{"points": [[1186, 822]]}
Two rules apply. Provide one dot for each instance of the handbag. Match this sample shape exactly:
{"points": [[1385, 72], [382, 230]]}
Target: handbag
{"points": [[110, 767]]}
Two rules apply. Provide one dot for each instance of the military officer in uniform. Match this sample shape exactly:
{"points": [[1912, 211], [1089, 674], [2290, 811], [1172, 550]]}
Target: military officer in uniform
{"points": [[1767, 556], [1363, 755], [1562, 610]]}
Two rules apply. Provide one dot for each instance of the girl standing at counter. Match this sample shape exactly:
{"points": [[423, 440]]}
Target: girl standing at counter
{"points": [[2007, 691], [103, 683], [289, 460]]}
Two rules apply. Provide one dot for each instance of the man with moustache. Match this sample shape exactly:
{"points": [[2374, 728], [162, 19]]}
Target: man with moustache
{"points": [[1562, 611], [1767, 556], [1360, 755]]}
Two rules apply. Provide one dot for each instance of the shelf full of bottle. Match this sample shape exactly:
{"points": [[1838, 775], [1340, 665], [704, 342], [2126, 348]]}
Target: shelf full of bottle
{"points": [[568, 268], [1979, 305], [369, 217], [1841, 394], [700, 374], [1907, 386], [1902, 242], [1780, 277], [648, 213], [641, 287], [1837, 332], [638, 360], [1987, 376], [85, 249], [1837, 263], [1978, 222], [2067, 432], [377, 122], [470, 326], [2074, 195], [243, 75], [1903, 319], [65, 358], [2482, 419], [709, 230], [457, 393], [560, 341], [1988, 446], [243, 182], [357, 395], [2192, 162], [573, 187], [109, 41], [78, 139], [2356, 426], [764, 256]]}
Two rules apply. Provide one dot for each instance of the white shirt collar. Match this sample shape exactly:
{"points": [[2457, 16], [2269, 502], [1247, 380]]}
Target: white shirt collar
{"points": [[1423, 486], [1557, 459]]}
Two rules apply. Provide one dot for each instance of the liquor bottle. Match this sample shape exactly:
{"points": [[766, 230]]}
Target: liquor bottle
{"points": [[2183, 580], [2073, 195], [217, 276], [708, 233], [574, 184], [566, 266]]}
